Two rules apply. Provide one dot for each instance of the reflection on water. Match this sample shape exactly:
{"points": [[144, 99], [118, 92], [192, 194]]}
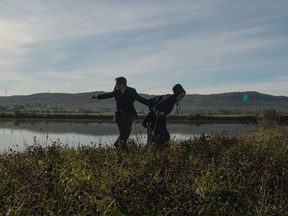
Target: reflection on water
{"points": [[17, 134]]}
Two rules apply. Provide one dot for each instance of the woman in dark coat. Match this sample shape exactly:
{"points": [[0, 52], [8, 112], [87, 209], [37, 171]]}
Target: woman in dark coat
{"points": [[155, 121]]}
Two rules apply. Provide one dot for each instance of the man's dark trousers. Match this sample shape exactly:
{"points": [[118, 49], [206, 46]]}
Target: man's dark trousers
{"points": [[124, 123]]}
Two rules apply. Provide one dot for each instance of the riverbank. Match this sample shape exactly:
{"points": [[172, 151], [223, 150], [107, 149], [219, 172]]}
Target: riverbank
{"points": [[185, 118]]}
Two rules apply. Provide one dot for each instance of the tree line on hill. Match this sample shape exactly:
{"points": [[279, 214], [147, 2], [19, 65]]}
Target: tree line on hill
{"points": [[225, 103]]}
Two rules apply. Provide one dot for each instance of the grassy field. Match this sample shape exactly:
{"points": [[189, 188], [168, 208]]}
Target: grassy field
{"points": [[208, 175]]}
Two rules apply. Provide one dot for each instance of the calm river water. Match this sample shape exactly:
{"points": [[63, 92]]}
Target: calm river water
{"points": [[17, 134]]}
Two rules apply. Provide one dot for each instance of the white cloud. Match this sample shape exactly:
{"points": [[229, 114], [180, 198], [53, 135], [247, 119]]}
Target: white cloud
{"points": [[5, 76], [70, 75], [155, 42], [14, 35]]}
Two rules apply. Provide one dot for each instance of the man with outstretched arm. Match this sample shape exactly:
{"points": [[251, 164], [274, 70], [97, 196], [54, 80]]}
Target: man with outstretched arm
{"points": [[125, 112]]}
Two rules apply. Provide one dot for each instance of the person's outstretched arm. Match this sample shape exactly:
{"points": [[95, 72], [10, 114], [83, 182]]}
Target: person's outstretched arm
{"points": [[143, 100], [102, 96]]}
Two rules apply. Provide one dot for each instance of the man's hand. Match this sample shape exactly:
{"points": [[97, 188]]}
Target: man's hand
{"points": [[93, 97]]}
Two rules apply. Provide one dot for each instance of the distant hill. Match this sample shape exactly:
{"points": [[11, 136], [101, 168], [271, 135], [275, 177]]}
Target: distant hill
{"points": [[192, 103]]}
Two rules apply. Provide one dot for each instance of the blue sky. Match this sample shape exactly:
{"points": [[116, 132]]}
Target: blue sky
{"points": [[208, 46]]}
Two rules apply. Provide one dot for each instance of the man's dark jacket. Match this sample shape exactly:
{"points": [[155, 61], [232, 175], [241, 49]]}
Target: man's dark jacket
{"points": [[125, 101]]}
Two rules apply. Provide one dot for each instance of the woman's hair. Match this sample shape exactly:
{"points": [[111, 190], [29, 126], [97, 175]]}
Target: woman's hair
{"points": [[178, 89]]}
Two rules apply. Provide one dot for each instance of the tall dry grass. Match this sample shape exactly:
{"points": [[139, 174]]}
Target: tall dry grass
{"points": [[208, 175]]}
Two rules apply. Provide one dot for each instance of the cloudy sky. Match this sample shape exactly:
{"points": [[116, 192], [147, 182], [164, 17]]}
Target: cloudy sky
{"points": [[209, 46]]}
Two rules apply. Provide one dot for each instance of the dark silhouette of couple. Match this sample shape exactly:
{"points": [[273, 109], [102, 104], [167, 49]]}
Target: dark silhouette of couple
{"points": [[155, 120]]}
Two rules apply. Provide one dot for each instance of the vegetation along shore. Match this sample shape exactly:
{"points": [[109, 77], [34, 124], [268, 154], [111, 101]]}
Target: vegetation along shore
{"points": [[208, 175], [184, 117]]}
